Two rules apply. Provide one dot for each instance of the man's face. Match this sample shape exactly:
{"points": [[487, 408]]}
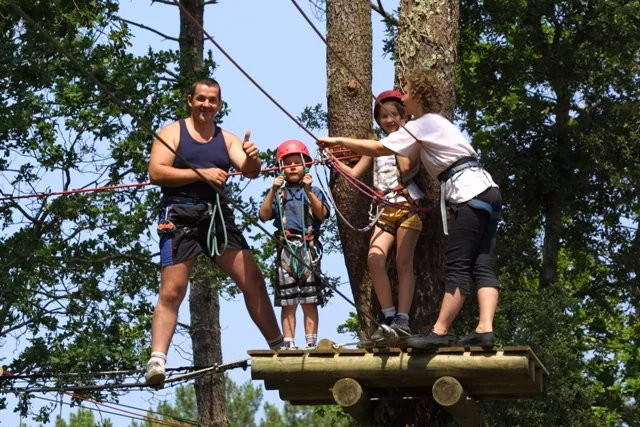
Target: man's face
{"points": [[205, 103]]}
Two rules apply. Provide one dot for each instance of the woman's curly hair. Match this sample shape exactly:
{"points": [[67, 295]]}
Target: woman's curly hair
{"points": [[427, 87]]}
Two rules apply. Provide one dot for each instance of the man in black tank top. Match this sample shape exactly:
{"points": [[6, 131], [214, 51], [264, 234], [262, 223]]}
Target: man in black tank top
{"points": [[189, 224]]}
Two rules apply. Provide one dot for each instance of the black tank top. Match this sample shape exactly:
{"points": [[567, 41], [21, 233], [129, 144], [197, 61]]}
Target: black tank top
{"points": [[210, 154]]}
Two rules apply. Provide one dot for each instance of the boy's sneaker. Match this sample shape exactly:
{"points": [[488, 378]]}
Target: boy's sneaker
{"points": [[484, 339], [288, 345], [431, 340], [379, 334], [155, 373], [311, 346], [401, 326]]}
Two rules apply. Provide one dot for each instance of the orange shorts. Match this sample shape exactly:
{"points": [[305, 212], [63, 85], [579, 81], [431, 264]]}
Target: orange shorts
{"points": [[394, 218]]}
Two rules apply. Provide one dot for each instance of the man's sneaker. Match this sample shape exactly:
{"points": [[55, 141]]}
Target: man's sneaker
{"points": [[311, 346], [401, 326], [288, 345], [484, 339], [155, 373], [379, 334], [431, 340]]}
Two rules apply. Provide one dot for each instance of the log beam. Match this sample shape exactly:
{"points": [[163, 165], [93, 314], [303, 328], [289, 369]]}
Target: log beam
{"points": [[450, 394], [353, 399]]}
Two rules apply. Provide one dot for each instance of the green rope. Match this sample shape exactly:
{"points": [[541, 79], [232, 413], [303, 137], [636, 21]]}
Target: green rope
{"points": [[212, 234]]}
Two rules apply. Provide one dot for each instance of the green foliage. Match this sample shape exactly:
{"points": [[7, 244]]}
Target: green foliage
{"points": [[82, 418], [549, 92], [77, 271]]}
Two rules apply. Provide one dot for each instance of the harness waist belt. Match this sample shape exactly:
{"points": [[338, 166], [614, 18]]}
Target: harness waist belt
{"points": [[457, 166], [184, 199]]}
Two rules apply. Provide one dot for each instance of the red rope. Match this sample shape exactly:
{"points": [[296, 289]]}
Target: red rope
{"points": [[121, 186]]}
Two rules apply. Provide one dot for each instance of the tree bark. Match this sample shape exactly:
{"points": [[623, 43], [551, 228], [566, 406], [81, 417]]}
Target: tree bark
{"points": [[427, 38], [206, 339], [349, 104], [204, 300], [428, 33], [191, 38]]}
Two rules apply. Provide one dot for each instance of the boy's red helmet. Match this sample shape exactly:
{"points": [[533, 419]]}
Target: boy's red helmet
{"points": [[292, 146], [386, 96]]}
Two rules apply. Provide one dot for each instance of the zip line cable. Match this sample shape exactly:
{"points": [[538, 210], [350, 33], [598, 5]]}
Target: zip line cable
{"points": [[137, 417], [147, 127], [86, 399]]}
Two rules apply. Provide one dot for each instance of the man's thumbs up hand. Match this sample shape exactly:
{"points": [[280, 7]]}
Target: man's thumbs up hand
{"points": [[249, 147]]}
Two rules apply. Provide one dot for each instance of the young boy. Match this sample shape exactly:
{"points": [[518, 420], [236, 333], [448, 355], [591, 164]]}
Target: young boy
{"points": [[298, 210]]}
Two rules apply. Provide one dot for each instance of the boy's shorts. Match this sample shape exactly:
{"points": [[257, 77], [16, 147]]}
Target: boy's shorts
{"points": [[291, 289]]}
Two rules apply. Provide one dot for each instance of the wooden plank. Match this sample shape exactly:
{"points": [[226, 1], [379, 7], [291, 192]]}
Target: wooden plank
{"points": [[421, 366]]}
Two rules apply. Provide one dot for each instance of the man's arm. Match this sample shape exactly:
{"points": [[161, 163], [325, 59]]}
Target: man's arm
{"points": [[244, 155], [161, 170]]}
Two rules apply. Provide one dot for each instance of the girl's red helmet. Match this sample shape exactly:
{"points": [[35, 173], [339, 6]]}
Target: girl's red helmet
{"points": [[386, 96], [292, 146]]}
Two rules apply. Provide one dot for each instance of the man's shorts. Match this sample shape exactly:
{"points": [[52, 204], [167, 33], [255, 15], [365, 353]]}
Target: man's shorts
{"points": [[290, 289], [189, 238], [394, 218]]}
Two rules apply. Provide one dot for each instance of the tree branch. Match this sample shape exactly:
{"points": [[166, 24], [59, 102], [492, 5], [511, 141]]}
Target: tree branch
{"points": [[170, 3], [144, 27], [387, 17], [3, 314]]}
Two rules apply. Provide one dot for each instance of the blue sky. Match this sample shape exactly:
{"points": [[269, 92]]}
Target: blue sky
{"points": [[277, 47]]}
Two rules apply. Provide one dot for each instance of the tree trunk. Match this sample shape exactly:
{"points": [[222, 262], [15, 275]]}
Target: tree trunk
{"points": [[428, 33], [349, 33], [191, 38], [427, 37], [206, 339], [556, 198], [204, 300]]}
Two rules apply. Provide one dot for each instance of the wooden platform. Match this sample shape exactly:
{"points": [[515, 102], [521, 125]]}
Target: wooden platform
{"points": [[308, 376]]}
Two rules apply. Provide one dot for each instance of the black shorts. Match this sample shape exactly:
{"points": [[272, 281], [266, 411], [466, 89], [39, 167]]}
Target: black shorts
{"points": [[190, 234], [471, 246]]}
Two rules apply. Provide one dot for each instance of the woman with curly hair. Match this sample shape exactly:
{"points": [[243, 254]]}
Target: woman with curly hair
{"points": [[469, 191]]}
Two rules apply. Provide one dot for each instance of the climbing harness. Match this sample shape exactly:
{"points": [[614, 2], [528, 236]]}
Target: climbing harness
{"points": [[405, 188], [306, 247], [453, 172], [166, 226]]}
